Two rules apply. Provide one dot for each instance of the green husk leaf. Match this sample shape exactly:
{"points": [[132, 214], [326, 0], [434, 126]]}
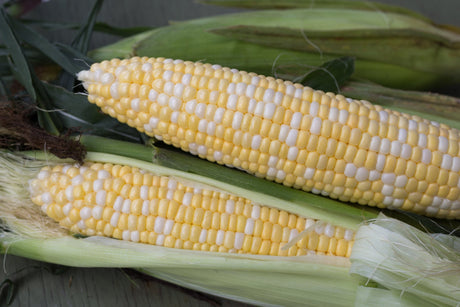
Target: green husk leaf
{"points": [[313, 4], [83, 37], [400, 257], [330, 76]]}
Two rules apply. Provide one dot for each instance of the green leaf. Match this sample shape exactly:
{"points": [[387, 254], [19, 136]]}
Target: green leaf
{"points": [[16, 59], [7, 287], [75, 111], [330, 76], [38, 41], [82, 40]]}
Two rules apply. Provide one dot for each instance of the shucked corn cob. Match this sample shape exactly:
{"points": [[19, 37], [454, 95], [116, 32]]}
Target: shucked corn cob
{"points": [[127, 203], [320, 142]]}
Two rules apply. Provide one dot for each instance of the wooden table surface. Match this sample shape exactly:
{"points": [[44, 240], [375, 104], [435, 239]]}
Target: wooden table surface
{"points": [[41, 284]]}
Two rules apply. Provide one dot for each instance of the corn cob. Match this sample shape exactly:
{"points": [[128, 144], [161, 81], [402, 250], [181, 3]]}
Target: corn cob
{"points": [[127, 203], [320, 142]]}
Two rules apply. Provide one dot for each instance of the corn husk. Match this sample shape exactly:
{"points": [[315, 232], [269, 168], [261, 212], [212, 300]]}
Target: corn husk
{"points": [[391, 48]]}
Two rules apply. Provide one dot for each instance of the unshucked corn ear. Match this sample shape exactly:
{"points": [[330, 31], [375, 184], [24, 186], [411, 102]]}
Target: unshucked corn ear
{"points": [[320, 142]]}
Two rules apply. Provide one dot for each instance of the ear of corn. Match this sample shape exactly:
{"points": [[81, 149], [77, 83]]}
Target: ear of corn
{"points": [[320, 142], [372, 30], [312, 279]]}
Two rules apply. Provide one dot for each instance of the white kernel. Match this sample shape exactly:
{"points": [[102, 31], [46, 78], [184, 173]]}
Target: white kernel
{"points": [[388, 178], [126, 208], [271, 172], [114, 219], [278, 98], [118, 204], [42, 175], [374, 175], [296, 120], [385, 146], [290, 89], [202, 125], [168, 226], [85, 213], [168, 88], [239, 239], [348, 235], [446, 204], [230, 206], [397, 203], [316, 125], [220, 237], [402, 135], [81, 224], [381, 160], [120, 69], [269, 110], [103, 174], [187, 199], [65, 168], [455, 164], [396, 148], [443, 144], [178, 90], [200, 110], [77, 179], [135, 236], [250, 90], [252, 105], [413, 125], [400, 181], [163, 99], [256, 141], [406, 151], [329, 230], [237, 120], [319, 228], [159, 224], [153, 95], [240, 88], [219, 115], [455, 205], [203, 236], [387, 189], [46, 198], [153, 122], [66, 208], [310, 224], [309, 173], [426, 156], [114, 91], [167, 74], [280, 175], [175, 117], [298, 93], [269, 95], [362, 174], [186, 78], [145, 207], [446, 162], [383, 116], [255, 80], [284, 132], [422, 140], [292, 153], [333, 114], [291, 138], [69, 193], [437, 201], [101, 197], [350, 170], [259, 110], [175, 103], [190, 106], [343, 116], [249, 227], [147, 67], [107, 78], [272, 161], [202, 150], [218, 155], [98, 184], [211, 128], [135, 104], [232, 102], [97, 211], [314, 108], [231, 88], [255, 214], [375, 144], [160, 240]]}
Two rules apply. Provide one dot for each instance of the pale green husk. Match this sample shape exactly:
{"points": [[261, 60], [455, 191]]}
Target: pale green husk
{"points": [[311, 280]]}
